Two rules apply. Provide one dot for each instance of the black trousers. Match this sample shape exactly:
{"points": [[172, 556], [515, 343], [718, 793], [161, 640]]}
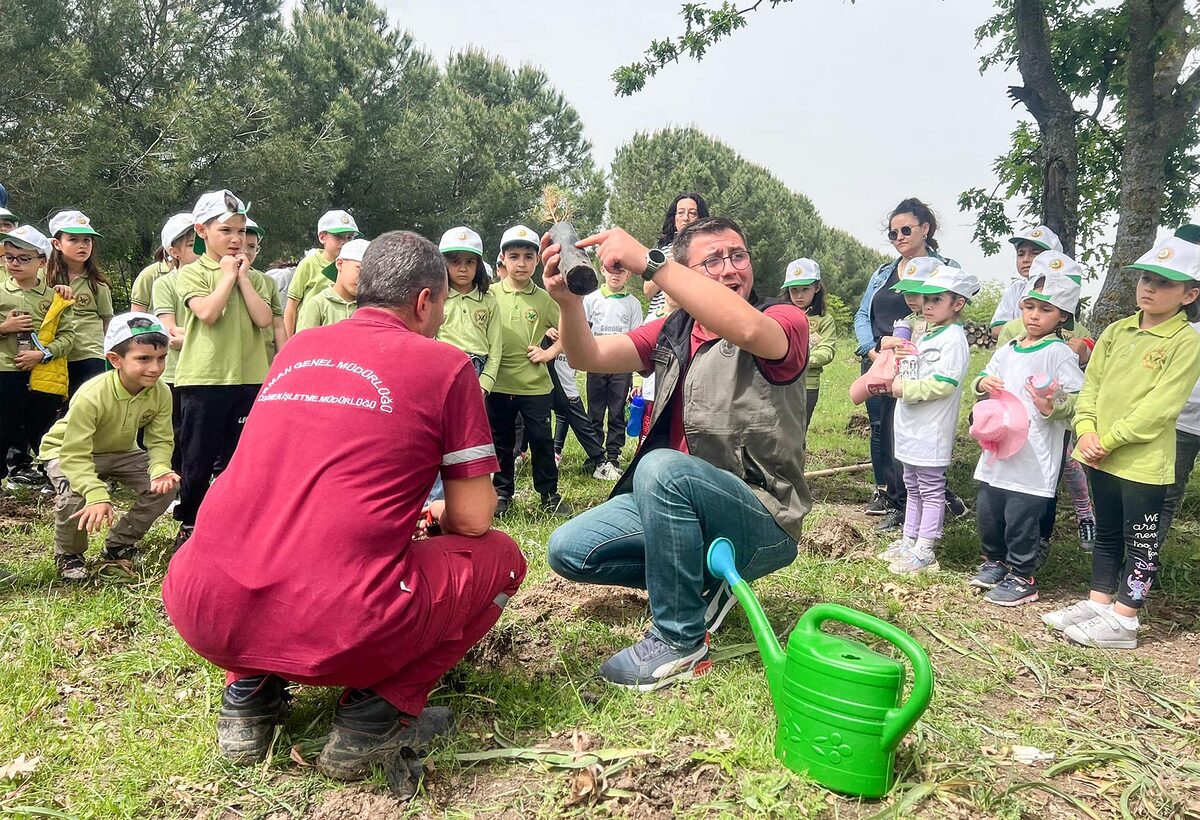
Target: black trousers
{"points": [[811, 396], [211, 421], [569, 414], [1187, 447], [534, 411], [80, 372], [25, 416], [1125, 558], [607, 394], [1009, 528]]}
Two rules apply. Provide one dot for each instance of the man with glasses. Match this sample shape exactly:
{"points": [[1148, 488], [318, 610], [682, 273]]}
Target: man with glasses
{"points": [[725, 451]]}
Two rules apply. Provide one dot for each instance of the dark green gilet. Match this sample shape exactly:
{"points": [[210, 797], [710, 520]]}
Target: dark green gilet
{"points": [[733, 417]]}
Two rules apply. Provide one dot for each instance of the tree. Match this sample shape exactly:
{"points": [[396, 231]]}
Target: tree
{"points": [[651, 169]]}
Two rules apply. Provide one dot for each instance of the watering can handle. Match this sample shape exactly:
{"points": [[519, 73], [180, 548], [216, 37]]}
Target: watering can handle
{"points": [[901, 719]]}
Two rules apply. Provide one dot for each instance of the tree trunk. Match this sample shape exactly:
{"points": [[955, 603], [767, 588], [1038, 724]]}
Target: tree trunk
{"points": [[1060, 179]]}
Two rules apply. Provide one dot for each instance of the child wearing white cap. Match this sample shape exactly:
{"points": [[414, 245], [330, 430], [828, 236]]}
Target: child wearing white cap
{"points": [[178, 241], [8, 220], [927, 417], [334, 229], [97, 442], [1140, 375], [275, 335], [1015, 490], [472, 321], [141, 295], [1028, 244], [338, 302], [802, 284], [223, 363], [73, 263]]}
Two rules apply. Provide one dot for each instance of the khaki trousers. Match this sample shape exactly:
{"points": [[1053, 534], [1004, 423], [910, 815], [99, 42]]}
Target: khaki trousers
{"points": [[131, 469]]}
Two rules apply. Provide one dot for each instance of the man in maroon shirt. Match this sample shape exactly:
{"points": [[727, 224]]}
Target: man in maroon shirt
{"points": [[725, 451], [303, 566]]}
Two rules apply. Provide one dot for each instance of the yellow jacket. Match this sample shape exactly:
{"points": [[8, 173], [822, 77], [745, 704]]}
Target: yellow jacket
{"points": [[51, 376]]}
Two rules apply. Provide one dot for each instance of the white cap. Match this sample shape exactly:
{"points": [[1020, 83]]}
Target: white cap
{"points": [[29, 238], [218, 205], [520, 235], [71, 222], [1172, 258], [253, 227], [915, 272], [1039, 235], [337, 222], [175, 227], [1057, 288], [8, 216], [488, 270], [946, 278], [354, 250], [1058, 263], [461, 239], [802, 271], [127, 325]]}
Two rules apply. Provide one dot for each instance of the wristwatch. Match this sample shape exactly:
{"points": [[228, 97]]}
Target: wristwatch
{"points": [[655, 259]]}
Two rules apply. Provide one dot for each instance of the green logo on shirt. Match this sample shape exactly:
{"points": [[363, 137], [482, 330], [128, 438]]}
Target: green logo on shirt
{"points": [[531, 316], [481, 317]]}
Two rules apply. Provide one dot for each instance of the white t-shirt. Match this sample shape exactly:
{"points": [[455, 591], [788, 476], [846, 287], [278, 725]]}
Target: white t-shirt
{"points": [[566, 376], [1189, 418], [612, 314], [1034, 468], [925, 429], [1009, 307]]}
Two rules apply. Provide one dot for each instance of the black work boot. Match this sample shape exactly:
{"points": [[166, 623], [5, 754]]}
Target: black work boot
{"points": [[367, 729], [249, 711]]}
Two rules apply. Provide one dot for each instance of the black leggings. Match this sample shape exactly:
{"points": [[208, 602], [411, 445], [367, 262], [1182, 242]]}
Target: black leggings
{"points": [[1125, 558]]}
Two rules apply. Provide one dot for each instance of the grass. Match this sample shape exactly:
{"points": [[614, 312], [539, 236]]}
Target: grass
{"points": [[119, 714]]}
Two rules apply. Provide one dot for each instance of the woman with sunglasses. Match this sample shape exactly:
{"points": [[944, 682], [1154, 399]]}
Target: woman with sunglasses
{"points": [[911, 229]]}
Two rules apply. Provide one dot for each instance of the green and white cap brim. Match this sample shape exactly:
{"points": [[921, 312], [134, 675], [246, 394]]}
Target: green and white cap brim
{"points": [[28, 238], [1172, 258], [799, 283], [253, 227], [8, 216], [1039, 235], [1057, 288], [520, 235], [119, 329], [800, 272], [914, 273], [461, 239], [337, 222], [947, 279], [75, 222]]}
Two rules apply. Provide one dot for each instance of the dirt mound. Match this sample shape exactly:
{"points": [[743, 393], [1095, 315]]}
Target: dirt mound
{"points": [[859, 425], [18, 510], [357, 804], [835, 538]]}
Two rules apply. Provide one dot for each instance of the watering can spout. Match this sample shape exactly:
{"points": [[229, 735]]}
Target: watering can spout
{"points": [[721, 565]]}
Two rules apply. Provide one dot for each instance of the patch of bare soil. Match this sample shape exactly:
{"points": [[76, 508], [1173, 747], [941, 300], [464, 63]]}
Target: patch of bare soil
{"points": [[837, 536], [859, 425], [20, 510], [357, 803]]}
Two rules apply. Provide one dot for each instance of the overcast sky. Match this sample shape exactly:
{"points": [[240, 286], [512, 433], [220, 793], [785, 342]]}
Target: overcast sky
{"points": [[856, 106]]}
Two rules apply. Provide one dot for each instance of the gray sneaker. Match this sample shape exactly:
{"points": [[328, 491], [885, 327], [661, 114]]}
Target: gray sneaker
{"points": [[70, 567], [651, 664], [1104, 631], [989, 575], [1076, 613]]}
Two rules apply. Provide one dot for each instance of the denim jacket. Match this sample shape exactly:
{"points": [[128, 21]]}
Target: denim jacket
{"points": [[862, 317]]}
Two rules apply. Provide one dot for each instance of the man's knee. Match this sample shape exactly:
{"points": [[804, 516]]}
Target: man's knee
{"points": [[561, 556], [660, 469]]}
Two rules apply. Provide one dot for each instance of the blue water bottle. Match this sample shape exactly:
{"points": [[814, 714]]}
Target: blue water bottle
{"points": [[637, 411]]}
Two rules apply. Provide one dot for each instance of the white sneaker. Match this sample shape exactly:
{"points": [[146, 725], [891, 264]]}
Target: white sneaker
{"points": [[896, 548], [1104, 631], [1076, 613], [911, 562], [607, 472]]}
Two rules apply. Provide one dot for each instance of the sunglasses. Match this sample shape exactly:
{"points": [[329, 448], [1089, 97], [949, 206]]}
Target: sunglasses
{"points": [[893, 235]]}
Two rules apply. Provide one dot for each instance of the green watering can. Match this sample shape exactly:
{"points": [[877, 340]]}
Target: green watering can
{"points": [[837, 701]]}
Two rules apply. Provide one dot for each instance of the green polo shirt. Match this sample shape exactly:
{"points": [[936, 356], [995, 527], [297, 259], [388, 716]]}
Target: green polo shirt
{"points": [[525, 316], [1137, 381], [229, 351], [276, 303], [324, 308], [165, 299], [309, 276], [142, 292], [37, 301], [472, 324], [104, 418], [821, 353], [93, 306]]}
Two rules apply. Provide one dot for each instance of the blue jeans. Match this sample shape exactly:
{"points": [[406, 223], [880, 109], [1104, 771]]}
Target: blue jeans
{"points": [[684, 503]]}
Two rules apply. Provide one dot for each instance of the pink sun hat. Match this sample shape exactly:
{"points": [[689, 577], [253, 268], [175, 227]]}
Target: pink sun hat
{"points": [[1000, 424], [877, 381]]}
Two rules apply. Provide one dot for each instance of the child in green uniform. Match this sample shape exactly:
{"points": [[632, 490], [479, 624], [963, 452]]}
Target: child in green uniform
{"points": [[523, 387], [25, 299], [73, 263], [1140, 376], [802, 283], [96, 442], [335, 303], [223, 363], [275, 335], [178, 236], [334, 229], [8, 220], [472, 323]]}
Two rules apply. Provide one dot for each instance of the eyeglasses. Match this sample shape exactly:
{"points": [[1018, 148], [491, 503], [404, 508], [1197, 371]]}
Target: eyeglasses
{"points": [[16, 260], [715, 265], [893, 235]]}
